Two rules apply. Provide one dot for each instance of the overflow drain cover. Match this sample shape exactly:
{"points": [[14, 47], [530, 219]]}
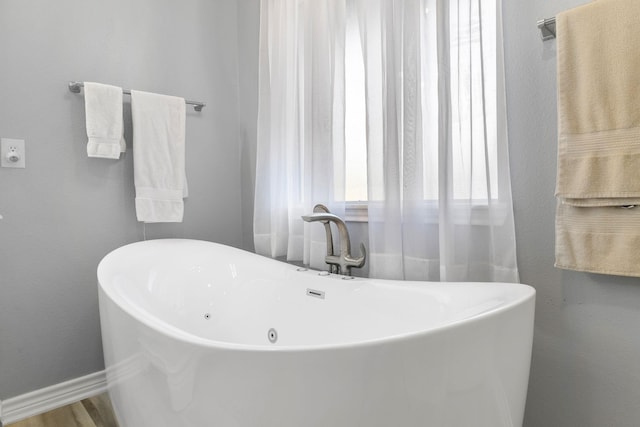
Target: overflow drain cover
{"points": [[272, 335]]}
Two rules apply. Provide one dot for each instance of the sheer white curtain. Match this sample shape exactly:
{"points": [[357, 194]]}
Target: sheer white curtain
{"points": [[438, 175], [300, 153]]}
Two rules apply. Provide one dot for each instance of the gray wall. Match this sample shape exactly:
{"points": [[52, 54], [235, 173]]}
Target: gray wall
{"points": [[585, 369], [65, 211]]}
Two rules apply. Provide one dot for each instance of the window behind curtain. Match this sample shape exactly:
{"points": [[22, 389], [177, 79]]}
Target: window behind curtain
{"points": [[474, 110]]}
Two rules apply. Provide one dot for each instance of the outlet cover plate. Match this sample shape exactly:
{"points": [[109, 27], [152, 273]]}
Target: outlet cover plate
{"points": [[8, 144]]}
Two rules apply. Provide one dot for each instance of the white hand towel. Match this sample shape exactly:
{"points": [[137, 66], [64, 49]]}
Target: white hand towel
{"points": [[105, 129], [158, 156]]}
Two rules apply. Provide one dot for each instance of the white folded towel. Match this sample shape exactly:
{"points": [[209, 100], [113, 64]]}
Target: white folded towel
{"points": [[105, 129], [158, 156]]}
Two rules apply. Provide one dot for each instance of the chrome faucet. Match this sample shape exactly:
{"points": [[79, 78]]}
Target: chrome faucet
{"points": [[342, 263]]}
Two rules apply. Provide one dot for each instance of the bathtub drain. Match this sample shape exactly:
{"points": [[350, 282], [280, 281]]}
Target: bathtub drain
{"points": [[272, 335]]}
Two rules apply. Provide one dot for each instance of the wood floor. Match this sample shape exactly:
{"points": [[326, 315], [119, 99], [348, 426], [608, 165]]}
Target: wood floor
{"points": [[92, 412]]}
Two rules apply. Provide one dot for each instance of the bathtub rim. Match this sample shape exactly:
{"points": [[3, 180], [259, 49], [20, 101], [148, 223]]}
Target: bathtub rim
{"points": [[527, 297]]}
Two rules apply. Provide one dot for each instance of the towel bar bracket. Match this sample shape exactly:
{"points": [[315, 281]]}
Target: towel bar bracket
{"points": [[547, 28], [75, 87]]}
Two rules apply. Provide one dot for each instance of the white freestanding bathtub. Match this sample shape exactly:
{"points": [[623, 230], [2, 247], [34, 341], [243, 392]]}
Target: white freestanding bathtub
{"points": [[200, 334]]}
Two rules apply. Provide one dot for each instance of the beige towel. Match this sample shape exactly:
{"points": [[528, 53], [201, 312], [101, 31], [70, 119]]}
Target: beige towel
{"points": [[599, 138], [599, 103], [602, 240]]}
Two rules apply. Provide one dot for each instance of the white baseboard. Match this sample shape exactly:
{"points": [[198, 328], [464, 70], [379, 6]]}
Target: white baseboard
{"points": [[52, 397]]}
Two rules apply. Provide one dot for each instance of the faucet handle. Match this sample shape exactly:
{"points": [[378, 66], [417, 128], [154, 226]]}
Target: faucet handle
{"points": [[358, 262]]}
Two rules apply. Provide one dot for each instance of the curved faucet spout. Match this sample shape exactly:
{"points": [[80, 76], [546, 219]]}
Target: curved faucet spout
{"points": [[344, 261], [320, 208], [323, 217]]}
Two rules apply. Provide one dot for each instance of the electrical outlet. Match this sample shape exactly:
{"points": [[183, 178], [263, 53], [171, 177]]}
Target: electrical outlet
{"points": [[12, 153]]}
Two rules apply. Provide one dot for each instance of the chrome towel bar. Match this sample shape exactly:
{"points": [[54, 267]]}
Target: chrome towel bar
{"points": [[76, 86]]}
